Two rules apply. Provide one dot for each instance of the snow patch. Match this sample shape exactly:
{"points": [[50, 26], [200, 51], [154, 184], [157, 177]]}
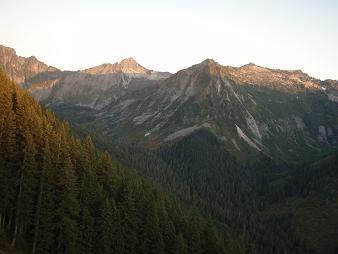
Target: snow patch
{"points": [[251, 99], [123, 104], [299, 123], [182, 133], [227, 84], [332, 97], [235, 144], [142, 118], [218, 86], [186, 131], [251, 122], [242, 135], [322, 137]]}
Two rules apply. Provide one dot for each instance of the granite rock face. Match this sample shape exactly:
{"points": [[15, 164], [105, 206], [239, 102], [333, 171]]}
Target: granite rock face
{"points": [[18, 68]]}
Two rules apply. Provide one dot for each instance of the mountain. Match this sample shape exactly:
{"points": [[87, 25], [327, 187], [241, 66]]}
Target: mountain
{"points": [[18, 68], [128, 65], [241, 144], [251, 108], [93, 88], [61, 195]]}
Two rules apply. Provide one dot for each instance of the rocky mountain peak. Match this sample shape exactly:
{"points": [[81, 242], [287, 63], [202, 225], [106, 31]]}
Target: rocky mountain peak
{"points": [[127, 65], [190, 81], [18, 68], [208, 66], [128, 61], [209, 61]]}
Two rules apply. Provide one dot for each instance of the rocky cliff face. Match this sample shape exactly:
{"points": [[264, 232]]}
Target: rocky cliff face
{"points": [[18, 68]]}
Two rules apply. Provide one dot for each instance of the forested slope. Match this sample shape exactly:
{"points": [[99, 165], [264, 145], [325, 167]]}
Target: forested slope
{"points": [[275, 208], [60, 195]]}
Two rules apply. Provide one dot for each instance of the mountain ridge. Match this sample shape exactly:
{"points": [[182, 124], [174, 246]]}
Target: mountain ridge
{"points": [[131, 66], [257, 75], [127, 65], [246, 107], [18, 68]]}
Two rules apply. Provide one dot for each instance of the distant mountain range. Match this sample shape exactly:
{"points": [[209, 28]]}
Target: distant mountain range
{"points": [[282, 114]]}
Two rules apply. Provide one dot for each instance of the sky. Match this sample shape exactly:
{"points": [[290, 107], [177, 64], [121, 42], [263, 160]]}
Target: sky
{"points": [[171, 35]]}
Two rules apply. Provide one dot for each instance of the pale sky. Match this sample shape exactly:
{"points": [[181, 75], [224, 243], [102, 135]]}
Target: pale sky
{"points": [[171, 35]]}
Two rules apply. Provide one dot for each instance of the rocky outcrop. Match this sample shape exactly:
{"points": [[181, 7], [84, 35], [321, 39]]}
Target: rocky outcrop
{"points": [[20, 69]]}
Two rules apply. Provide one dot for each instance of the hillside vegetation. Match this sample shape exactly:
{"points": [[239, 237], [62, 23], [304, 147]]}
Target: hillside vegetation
{"points": [[60, 195]]}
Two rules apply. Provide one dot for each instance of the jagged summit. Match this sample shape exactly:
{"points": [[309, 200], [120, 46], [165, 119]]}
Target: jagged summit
{"points": [[128, 61], [19, 68], [209, 61], [127, 65], [208, 66]]}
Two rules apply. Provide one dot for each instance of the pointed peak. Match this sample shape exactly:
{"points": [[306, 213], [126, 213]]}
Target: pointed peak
{"points": [[210, 65], [209, 61], [128, 60], [127, 65], [207, 67]]}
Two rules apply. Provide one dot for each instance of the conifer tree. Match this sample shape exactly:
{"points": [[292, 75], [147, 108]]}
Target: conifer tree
{"points": [[68, 210], [25, 189], [45, 205]]}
